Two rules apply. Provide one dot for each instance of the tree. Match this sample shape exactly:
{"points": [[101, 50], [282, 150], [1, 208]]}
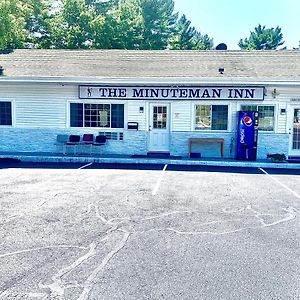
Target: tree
{"points": [[12, 22], [23, 23], [182, 38], [71, 27], [202, 42], [102, 7], [127, 27], [38, 25], [188, 38], [159, 23], [263, 39]]}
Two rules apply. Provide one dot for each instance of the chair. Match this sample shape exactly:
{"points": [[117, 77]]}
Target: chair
{"points": [[62, 140], [74, 140], [88, 139], [100, 140]]}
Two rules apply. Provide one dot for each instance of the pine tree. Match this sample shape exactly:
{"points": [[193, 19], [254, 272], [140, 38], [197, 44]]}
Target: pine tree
{"points": [[263, 38]]}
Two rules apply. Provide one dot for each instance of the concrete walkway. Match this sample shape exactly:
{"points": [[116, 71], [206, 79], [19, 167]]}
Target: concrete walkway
{"points": [[121, 159]]}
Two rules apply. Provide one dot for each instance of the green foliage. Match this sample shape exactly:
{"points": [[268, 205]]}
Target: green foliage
{"points": [[12, 23], [188, 38], [126, 25], [263, 39], [159, 23], [182, 39], [94, 24], [202, 42]]}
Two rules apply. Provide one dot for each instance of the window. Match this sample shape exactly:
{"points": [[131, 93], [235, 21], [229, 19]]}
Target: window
{"points": [[211, 117], [97, 115], [265, 116], [5, 113]]}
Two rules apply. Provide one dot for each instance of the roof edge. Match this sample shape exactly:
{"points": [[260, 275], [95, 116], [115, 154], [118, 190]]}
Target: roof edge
{"points": [[149, 80]]}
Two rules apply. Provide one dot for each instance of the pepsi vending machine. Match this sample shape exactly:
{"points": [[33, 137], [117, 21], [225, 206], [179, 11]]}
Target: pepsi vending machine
{"points": [[247, 134]]}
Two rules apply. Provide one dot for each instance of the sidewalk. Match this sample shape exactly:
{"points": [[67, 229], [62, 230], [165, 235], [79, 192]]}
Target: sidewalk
{"points": [[121, 159]]}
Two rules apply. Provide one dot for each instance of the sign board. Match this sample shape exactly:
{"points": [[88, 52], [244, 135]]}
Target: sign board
{"points": [[171, 92]]}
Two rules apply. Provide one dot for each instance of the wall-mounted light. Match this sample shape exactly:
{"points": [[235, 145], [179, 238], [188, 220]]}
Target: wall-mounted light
{"points": [[221, 70], [275, 93], [141, 109]]}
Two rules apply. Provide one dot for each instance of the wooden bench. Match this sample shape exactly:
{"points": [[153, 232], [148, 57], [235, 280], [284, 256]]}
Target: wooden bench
{"points": [[206, 140]]}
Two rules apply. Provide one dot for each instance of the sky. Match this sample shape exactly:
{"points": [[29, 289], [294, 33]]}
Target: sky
{"points": [[228, 21]]}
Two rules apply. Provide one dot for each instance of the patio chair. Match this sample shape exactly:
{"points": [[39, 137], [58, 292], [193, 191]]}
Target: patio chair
{"points": [[88, 140], [74, 140], [61, 141], [100, 140]]}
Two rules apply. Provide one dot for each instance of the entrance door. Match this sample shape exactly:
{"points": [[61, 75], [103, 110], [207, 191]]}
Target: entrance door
{"points": [[295, 132], [159, 128]]}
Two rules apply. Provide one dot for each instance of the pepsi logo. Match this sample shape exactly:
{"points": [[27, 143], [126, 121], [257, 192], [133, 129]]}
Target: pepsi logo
{"points": [[247, 121]]}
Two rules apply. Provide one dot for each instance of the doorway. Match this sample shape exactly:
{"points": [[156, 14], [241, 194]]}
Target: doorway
{"points": [[295, 131], [159, 127]]}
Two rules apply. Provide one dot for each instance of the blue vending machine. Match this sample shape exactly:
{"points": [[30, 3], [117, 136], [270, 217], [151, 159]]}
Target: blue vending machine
{"points": [[247, 135]]}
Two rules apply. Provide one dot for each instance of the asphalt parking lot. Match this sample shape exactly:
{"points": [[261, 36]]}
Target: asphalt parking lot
{"points": [[75, 231]]}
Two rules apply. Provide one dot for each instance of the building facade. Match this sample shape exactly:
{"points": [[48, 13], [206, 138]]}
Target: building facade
{"points": [[142, 106]]}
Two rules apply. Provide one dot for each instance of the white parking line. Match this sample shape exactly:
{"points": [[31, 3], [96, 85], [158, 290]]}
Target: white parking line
{"points": [[154, 192], [280, 183], [85, 166]]}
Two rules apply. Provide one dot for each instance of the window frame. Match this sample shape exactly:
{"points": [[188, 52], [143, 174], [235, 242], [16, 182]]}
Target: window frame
{"points": [[205, 103], [68, 125], [264, 104], [12, 103]]}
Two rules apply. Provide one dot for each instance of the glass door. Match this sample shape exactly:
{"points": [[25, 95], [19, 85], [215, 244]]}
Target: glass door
{"points": [[159, 128]]}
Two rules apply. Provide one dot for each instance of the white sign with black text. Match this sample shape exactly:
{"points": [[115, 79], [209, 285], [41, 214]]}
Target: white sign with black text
{"points": [[171, 92]]}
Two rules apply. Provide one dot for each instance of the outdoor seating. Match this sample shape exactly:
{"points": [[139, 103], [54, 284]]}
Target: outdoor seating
{"points": [[88, 140], [100, 140], [74, 140], [61, 141]]}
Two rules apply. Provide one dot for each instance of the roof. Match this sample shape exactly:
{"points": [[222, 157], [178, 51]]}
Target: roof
{"points": [[265, 65]]}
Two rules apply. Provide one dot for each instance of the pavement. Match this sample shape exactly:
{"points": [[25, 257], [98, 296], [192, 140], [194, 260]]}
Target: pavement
{"points": [[50, 157], [101, 231]]}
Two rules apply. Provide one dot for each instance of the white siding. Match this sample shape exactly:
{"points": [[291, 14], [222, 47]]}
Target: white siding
{"points": [[281, 118], [232, 116], [134, 115], [182, 119], [39, 105]]}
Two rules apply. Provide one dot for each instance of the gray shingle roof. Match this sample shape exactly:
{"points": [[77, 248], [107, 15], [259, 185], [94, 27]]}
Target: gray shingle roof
{"points": [[143, 64]]}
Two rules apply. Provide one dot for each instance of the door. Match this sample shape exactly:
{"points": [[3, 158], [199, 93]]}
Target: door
{"points": [[159, 128], [295, 132]]}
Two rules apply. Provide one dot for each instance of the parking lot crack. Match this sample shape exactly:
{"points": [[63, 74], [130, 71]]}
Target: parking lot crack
{"points": [[57, 287], [88, 286], [289, 215]]}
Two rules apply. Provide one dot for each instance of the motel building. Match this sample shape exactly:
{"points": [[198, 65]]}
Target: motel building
{"points": [[177, 103]]}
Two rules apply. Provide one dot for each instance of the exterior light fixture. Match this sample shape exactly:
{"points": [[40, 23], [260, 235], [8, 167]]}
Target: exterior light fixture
{"points": [[274, 93], [221, 70]]}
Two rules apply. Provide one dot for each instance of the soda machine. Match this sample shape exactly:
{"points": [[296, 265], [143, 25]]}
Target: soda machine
{"points": [[247, 134]]}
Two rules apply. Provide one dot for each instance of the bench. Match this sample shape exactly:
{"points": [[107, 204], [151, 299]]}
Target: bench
{"points": [[206, 140]]}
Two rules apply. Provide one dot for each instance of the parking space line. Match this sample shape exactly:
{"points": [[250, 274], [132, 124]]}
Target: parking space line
{"points": [[154, 192], [280, 183], [85, 166]]}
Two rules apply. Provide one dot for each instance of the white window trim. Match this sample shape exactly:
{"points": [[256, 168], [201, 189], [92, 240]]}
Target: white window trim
{"points": [[264, 104], [210, 130], [90, 101], [13, 113]]}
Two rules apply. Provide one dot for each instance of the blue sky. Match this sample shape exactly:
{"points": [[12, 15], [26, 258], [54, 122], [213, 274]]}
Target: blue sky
{"points": [[230, 20]]}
